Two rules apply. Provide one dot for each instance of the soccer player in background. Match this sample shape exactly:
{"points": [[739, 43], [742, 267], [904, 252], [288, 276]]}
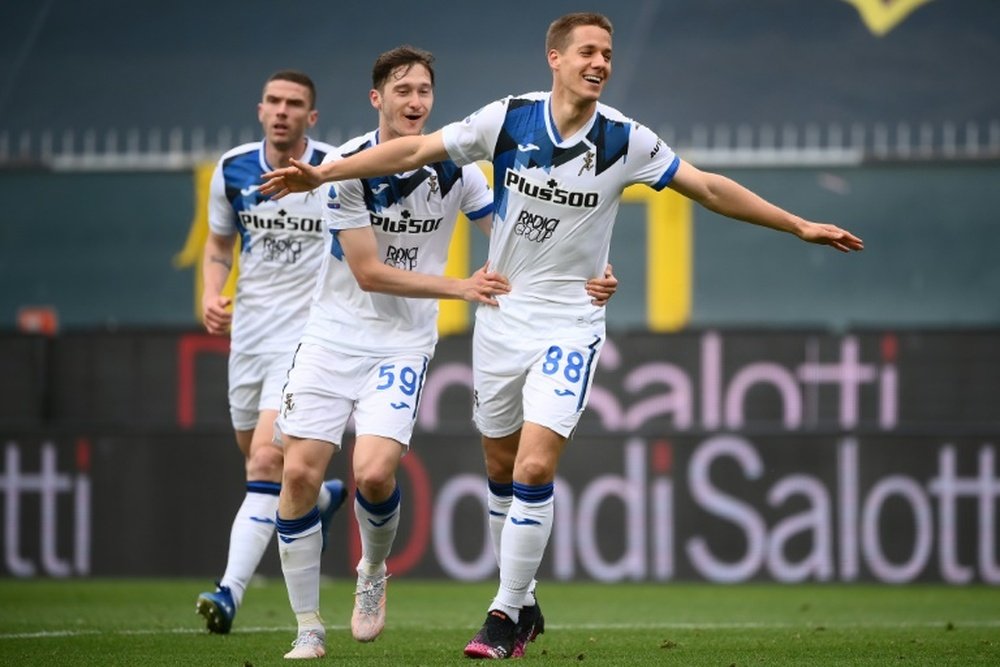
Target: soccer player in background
{"points": [[565, 157], [367, 343], [281, 248]]}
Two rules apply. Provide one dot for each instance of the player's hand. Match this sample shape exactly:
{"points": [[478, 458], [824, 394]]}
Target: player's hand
{"points": [[216, 314], [484, 285], [602, 289], [299, 177], [831, 235]]}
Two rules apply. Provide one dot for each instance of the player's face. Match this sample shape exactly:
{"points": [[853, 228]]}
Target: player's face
{"points": [[285, 113], [585, 65], [405, 102]]}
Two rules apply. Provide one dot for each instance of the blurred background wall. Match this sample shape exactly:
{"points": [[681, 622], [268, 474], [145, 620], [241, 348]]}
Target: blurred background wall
{"points": [[106, 107], [845, 405]]}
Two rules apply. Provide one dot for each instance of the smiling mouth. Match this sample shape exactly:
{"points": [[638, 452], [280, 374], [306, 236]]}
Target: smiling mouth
{"points": [[592, 78]]}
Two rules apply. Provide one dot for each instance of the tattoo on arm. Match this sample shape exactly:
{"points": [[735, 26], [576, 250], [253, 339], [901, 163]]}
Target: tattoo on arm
{"points": [[225, 261]]}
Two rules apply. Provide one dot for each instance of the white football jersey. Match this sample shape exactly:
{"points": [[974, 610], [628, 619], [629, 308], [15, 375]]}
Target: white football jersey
{"points": [[281, 247], [556, 200], [413, 215]]}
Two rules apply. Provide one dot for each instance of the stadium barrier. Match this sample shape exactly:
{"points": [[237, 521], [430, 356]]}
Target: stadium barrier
{"points": [[722, 456], [708, 146]]}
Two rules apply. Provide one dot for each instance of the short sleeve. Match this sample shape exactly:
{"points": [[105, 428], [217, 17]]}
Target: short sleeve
{"points": [[652, 161], [477, 198], [221, 216], [475, 137], [344, 207]]}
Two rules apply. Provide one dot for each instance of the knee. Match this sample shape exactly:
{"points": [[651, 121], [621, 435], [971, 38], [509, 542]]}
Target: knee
{"points": [[265, 463], [375, 482], [533, 470], [499, 470], [500, 454], [299, 480]]}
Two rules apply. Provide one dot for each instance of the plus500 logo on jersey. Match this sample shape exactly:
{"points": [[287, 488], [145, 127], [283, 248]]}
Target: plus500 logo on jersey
{"points": [[549, 191], [406, 224], [291, 223]]}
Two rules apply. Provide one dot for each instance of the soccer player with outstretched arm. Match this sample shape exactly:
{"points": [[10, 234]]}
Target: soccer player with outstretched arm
{"points": [[564, 157], [369, 336]]}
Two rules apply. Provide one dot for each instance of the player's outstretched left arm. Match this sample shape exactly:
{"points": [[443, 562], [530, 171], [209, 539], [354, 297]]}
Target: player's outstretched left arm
{"points": [[826, 234], [298, 177], [727, 197], [390, 157], [602, 289]]}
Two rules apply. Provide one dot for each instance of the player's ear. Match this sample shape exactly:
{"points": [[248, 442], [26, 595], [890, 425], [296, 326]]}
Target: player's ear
{"points": [[313, 117], [553, 57], [375, 98]]}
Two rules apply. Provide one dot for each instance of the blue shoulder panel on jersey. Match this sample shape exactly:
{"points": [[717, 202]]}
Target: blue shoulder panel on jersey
{"points": [[522, 141], [241, 176], [611, 139], [384, 191], [448, 174]]}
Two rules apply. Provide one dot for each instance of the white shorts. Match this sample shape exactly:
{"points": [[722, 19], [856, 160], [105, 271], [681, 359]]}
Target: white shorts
{"points": [[544, 380], [326, 387], [255, 382]]}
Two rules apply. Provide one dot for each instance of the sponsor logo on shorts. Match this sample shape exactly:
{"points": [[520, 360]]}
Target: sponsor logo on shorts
{"points": [[289, 403], [533, 227]]}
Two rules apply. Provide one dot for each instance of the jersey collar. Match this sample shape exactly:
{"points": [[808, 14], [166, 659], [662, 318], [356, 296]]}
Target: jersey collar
{"points": [[550, 124]]}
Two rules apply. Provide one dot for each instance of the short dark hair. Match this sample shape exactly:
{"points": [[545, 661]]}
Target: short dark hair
{"points": [[401, 56], [298, 77], [559, 30]]}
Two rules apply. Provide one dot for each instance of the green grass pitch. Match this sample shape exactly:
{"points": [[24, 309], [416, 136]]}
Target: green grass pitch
{"points": [[144, 622]]}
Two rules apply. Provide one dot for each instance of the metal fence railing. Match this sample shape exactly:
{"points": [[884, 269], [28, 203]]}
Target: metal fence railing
{"points": [[811, 144]]}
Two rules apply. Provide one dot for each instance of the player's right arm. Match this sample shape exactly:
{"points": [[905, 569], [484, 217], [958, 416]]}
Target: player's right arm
{"points": [[373, 275], [216, 264], [727, 197], [390, 157]]}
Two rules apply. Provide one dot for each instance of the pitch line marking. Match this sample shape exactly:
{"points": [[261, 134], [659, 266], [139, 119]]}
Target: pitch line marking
{"points": [[985, 623]]}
